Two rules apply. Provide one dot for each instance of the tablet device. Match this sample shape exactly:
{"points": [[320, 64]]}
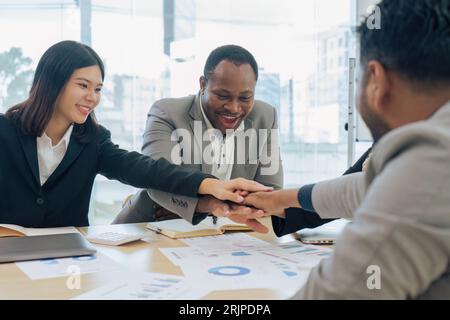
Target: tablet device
{"points": [[43, 247], [324, 234]]}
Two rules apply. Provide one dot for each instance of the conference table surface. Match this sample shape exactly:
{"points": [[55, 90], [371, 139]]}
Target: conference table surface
{"points": [[142, 255]]}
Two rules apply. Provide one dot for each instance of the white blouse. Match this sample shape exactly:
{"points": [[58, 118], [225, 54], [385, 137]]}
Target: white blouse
{"points": [[50, 156]]}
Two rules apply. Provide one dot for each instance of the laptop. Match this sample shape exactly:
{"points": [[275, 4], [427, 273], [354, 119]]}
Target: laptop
{"points": [[324, 234], [43, 247]]}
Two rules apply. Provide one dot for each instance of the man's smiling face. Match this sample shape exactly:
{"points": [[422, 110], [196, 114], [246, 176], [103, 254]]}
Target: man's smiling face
{"points": [[228, 94]]}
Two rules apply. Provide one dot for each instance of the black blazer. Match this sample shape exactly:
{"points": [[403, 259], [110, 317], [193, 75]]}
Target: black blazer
{"points": [[297, 219], [64, 198]]}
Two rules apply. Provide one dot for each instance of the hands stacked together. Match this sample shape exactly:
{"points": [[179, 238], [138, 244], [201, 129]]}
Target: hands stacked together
{"points": [[244, 201]]}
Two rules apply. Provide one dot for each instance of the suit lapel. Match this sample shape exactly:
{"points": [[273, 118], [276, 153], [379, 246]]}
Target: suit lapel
{"points": [[74, 149], [196, 116], [29, 147]]}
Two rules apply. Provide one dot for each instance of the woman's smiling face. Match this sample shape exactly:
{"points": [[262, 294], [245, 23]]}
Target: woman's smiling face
{"points": [[80, 95]]}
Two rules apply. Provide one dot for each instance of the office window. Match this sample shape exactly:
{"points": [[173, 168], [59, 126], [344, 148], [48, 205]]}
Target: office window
{"points": [[156, 49]]}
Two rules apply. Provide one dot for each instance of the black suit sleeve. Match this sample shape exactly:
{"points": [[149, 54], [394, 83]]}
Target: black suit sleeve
{"points": [[297, 219], [140, 171], [357, 167]]}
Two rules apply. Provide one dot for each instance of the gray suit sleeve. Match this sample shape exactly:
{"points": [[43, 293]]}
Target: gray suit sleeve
{"points": [[158, 144], [398, 243], [270, 167], [339, 198]]}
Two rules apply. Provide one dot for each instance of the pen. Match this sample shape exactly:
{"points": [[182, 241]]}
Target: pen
{"points": [[156, 229]]}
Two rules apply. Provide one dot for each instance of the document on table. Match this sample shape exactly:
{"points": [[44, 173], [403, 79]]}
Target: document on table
{"points": [[239, 261], [306, 256], [226, 243], [53, 268], [178, 255], [239, 269], [240, 273], [145, 286]]}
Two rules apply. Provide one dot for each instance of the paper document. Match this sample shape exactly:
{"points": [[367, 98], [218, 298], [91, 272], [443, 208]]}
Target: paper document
{"points": [[53, 268], [239, 269], [244, 272], [226, 242], [306, 256], [145, 286], [178, 255]]}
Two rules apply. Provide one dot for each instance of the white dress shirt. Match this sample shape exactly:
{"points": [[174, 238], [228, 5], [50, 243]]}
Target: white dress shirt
{"points": [[222, 148], [49, 156]]}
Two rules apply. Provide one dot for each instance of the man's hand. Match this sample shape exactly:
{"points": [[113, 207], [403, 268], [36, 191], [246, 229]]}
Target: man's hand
{"points": [[225, 190], [273, 203], [208, 204], [237, 213], [251, 222]]}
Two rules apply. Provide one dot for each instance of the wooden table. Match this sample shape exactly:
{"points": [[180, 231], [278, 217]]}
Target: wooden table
{"points": [[140, 255]]}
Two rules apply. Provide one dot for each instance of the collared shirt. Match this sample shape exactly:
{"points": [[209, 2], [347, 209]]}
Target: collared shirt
{"points": [[49, 156], [222, 148]]}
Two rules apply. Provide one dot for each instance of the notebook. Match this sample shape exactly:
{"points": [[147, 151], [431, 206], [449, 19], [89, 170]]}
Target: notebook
{"points": [[13, 230], [43, 247], [180, 228]]}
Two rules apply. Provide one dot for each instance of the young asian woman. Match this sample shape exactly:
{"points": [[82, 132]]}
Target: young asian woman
{"points": [[52, 148]]}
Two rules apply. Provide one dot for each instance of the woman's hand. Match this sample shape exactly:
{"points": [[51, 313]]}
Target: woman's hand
{"points": [[225, 190]]}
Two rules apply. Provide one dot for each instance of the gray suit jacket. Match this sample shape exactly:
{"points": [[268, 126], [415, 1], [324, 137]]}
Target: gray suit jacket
{"points": [[398, 244], [171, 119]]}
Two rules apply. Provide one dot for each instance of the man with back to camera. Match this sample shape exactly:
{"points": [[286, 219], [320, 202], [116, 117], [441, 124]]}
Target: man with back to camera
{"points": [[398, 244]]}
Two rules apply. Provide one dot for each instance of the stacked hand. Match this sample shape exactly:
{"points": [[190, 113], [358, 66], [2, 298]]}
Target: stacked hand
{"points": [[237, 213], [244, 201], [228, 199], [273, 203]]}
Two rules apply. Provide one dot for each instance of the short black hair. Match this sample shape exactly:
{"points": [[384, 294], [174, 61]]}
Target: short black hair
{"points": [[232, 53], [414, 40]]}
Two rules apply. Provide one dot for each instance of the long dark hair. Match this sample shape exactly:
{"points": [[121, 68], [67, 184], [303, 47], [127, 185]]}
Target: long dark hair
{"points": [[52, 73]]}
